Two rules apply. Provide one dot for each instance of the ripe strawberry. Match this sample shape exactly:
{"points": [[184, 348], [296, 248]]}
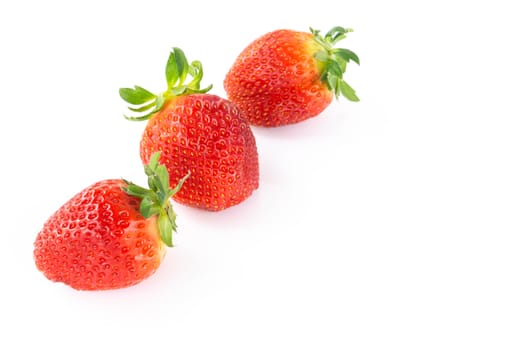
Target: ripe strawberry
{"points": [[286, 76], [110, 235], [197, 132]]}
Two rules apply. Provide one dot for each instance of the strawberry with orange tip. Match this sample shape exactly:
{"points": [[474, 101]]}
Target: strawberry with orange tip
{"points": [[287, 76]]}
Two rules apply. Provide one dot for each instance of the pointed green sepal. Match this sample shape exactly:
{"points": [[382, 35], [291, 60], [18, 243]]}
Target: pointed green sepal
{"points": [[171, 71], [182, 64], [165, 226], [180, 183], [333, 61], [176, 68], [149, 207], [347, 91], [337, 34], [137, 95], [346, 55], [143, 108], [143, 104], [156, 200]]}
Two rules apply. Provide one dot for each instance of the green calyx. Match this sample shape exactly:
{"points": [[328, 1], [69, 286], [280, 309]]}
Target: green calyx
{"points": [[334, 61], [156, 198], [144, 103]]}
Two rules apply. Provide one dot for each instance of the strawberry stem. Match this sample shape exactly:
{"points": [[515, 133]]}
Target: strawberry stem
{"points": [[144, 103], [333, 61], [156, 198]]}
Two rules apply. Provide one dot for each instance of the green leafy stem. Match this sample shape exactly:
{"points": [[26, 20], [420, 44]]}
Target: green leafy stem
{"points": [[156, 198], [334, 61], [144, 103]]}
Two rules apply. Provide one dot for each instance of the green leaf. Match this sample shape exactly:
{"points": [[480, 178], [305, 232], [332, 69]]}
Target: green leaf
{"points": [[140, 118], [200, 91], [336, 34], [177, 70], [143, 108], [347, 91], [194, 68], [156, 199], [165, 228], [135, 190], [335, 38], [152, 183], [332, 82], [136, 96], [314, 31], [196, 72], [181, 63], [178, 90], [153, 161], [163, 179], [332, 62], [342, 64], [171, 70], [346, 55], [180, 183], [160, 100], [148, 207], [334, 68], [334, 31]]}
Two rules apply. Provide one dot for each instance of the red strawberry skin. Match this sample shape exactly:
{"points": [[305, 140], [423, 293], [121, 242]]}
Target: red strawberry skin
{"points": [[98, 240], [276, 80], [206, 135]]}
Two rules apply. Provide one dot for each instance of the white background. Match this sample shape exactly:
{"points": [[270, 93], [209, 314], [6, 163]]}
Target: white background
{"points": [[385, 224]]}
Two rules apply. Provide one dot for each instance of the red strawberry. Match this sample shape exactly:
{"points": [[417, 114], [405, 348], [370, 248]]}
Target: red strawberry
{"points": [[286, 76], [110, 235], [197, 132]]}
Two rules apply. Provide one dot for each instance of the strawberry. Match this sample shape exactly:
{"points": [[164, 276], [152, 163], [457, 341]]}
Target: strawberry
{"points": [[286, 76], [197, 132], [110, 235]]}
